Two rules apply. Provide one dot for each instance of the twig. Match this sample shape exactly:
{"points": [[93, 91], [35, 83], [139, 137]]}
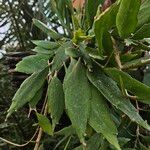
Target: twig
{"points": [[138, 128], [19, 145], [116, 53], [136, 63], [40, 132]]}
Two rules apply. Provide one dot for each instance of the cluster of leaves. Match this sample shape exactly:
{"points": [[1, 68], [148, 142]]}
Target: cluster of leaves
{"points": [[94, 57]]}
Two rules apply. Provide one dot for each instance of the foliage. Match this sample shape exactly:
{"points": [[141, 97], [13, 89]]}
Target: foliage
{"points": [[89, 75]]}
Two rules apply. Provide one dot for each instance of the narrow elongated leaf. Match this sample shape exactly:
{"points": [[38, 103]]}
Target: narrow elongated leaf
{"points": [[44, 123], [77, 96], [91, 9], [112, 93], [93, 143], [69, 70], [46, 30], [137, 88], [143, 16], [126, 19], [103, 23], [107, 43], [46, 44], [143, 32], [136, 63], [60, 57], [100, 118], [43, 51], [27, 90], [55, 100], [33, 63], [67, 131], [36, 98]]}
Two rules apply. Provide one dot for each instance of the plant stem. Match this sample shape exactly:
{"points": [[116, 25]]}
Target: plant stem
{"points": [[19, 145], [136, 63], [116, 53], [40, 132]]}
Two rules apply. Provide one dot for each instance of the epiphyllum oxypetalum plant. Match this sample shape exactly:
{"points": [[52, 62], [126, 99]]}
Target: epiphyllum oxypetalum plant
{"points": [[96, 52]]}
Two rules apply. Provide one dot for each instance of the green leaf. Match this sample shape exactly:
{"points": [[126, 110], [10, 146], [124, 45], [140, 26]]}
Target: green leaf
{"points": [[60, 57], [112, 93], [67, 131], [100, 118], [137, 88], [91, 9], [44, 123], [126, 19], [73, 62], [47, 30], [136, 63], [107, 44], [143, 32], [46, 44], [77, 96], [55, 100], [36, 98], [27, 90], [103, 23], [33, 63], [72, 52], [43, 51], [143, 16], [93, 143]]}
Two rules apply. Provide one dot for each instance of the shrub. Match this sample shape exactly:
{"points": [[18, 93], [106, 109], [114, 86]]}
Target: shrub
{"points": [[88, 70]]}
